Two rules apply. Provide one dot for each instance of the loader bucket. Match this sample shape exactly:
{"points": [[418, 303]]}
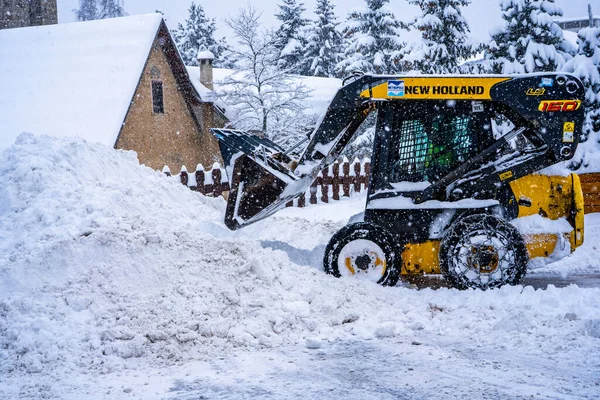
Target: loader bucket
{"points": [[260, 185]]}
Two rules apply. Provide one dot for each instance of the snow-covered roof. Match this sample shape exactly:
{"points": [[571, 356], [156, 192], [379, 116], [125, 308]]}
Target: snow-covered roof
{"points": [[73, 79], [322, 92], [575, 19], [205, 93], [194, 74], [322, 89]]}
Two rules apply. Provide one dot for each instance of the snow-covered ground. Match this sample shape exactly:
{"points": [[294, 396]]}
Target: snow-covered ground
{"points": [[118, 282]]}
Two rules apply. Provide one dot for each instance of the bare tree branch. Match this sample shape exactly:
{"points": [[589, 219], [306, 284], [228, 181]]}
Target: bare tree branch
{"points": [[263, 95]]}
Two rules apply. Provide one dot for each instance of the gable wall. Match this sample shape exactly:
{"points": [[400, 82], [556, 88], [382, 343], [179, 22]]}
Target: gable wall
{"points": [[171, 138]]}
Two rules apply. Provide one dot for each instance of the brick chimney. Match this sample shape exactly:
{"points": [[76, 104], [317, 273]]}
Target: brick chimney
{"points": [[205, 59]]}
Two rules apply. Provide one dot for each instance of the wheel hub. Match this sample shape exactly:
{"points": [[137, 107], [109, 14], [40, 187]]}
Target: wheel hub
{"points": [[484, 258], [363, 259], [362, 262]]}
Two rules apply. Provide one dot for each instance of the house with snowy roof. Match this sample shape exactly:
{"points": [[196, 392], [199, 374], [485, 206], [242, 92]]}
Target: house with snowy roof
{"points": [[120, 82]]}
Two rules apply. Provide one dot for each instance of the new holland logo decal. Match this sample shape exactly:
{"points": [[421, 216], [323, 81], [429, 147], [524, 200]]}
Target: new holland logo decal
{"points": [[395, 88]]}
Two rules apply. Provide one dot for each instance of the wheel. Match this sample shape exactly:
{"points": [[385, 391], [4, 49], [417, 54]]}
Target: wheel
{"points": [[365, 251], [483, 251]]}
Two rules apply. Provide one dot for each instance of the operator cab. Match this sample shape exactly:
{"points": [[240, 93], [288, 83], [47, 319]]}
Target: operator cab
{"points": [[418, 143]]}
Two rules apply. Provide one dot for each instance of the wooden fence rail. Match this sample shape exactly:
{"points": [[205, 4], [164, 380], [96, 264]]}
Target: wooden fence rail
{"points": [[340, 180]]}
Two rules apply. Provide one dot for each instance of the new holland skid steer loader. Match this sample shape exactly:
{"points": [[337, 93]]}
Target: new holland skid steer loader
{"points": [[451, 189]]}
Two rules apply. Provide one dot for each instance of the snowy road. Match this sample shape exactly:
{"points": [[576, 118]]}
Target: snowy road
{"points": [[388, 369], [541, 281], [411, 368], [537, 281]]}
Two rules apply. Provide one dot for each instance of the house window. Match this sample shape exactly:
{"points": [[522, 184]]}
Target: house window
{"points": [[157, 98], [154, 72]]}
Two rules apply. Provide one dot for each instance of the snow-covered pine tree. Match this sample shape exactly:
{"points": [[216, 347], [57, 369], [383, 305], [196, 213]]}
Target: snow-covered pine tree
{"points": [[371, 35], [111, 9], [291, 39], [324, 42], [444, 43], [87, 11], [530, 41], [586, 66], [198, 32]]}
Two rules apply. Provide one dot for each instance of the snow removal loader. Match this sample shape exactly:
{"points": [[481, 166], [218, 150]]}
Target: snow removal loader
{"points": [[452, 189]]}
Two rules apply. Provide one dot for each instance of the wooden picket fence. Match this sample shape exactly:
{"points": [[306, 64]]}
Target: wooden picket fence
{"points": [[212, 182], [340, 179]]}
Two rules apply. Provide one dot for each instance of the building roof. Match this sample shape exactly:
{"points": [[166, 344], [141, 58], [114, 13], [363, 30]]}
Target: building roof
{"points": [[576, 19], [73, 79], [321, 90]]}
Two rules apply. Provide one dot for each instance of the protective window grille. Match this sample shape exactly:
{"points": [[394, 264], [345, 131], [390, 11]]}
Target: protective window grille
{"points": [[427, 150], [157, 97]]}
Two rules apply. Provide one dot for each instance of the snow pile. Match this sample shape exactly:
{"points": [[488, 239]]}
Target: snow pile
{"points": [[584, 260], [105, 264], [536, 224]]}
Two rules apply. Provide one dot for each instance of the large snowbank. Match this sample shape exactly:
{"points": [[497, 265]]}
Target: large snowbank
{"points": [[72, 79], [106, 265]]}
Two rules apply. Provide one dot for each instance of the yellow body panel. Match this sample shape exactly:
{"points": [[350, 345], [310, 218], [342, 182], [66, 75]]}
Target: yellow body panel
{"points": [[437, 88], [541, 244], [549, 196], [422, 258], [552, 197], [578, 232]]}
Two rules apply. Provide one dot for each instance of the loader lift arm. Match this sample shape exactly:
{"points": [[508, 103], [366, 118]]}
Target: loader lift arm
{"points": [[263, 179]]}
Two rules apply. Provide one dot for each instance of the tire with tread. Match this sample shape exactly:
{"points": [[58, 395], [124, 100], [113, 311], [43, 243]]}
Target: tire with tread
{"points": [[483, 242]]}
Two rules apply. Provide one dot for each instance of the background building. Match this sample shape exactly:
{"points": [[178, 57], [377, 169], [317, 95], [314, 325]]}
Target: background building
{"points": [[117, 81], [577, 23], [19, 13]]}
